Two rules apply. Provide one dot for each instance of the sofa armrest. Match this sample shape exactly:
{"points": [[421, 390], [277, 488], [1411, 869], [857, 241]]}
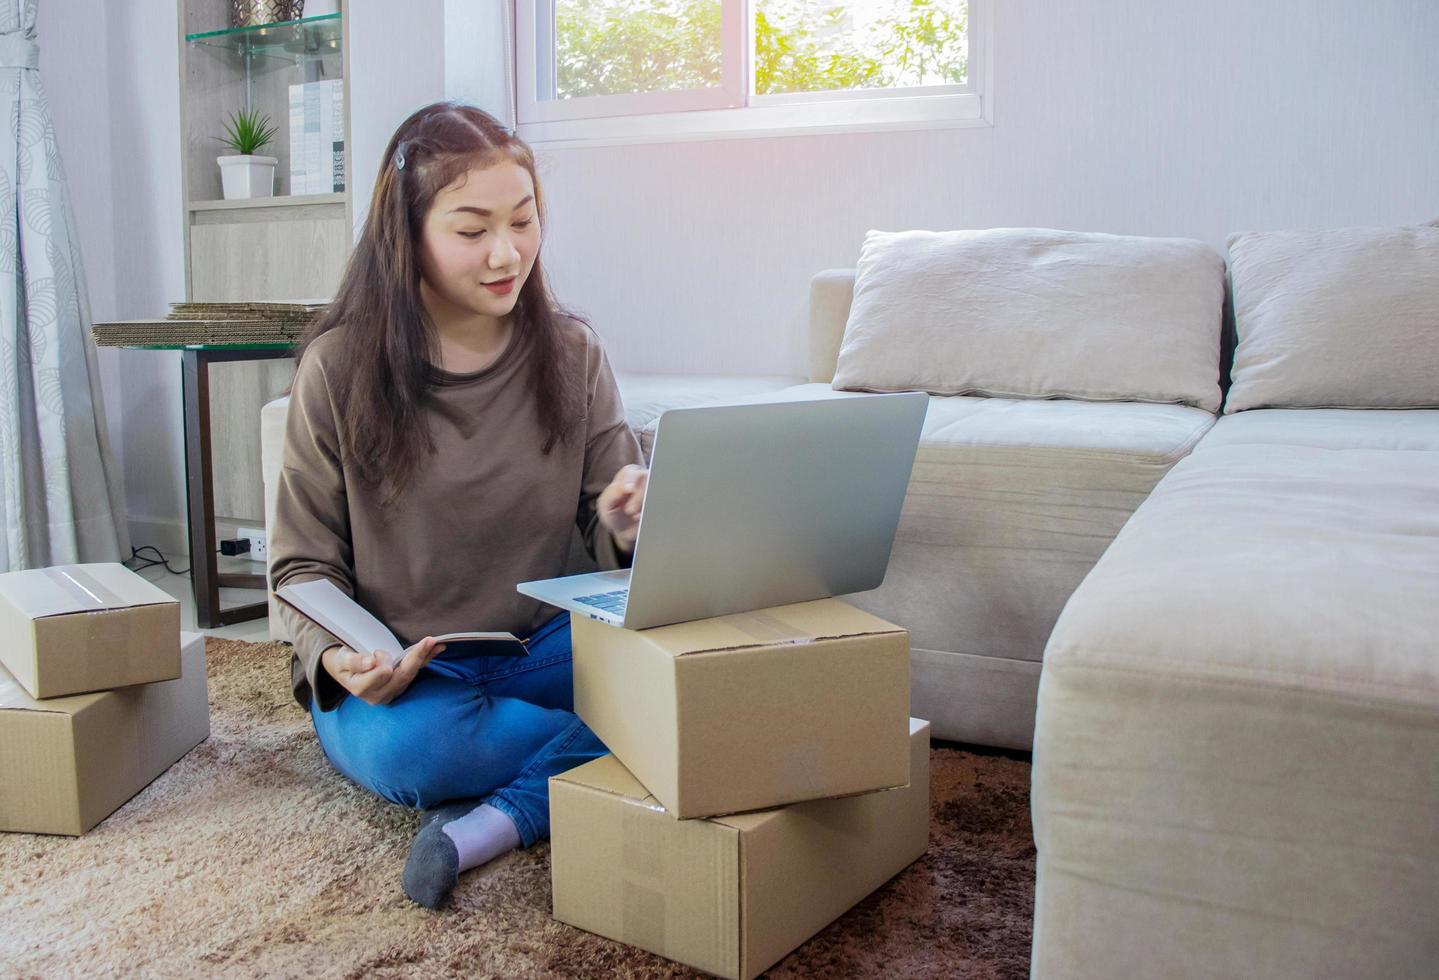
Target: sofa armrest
{"points": [[831, 293]]}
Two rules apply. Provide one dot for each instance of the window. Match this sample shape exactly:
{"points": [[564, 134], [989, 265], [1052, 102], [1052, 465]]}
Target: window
{"points": [[608, 71]]}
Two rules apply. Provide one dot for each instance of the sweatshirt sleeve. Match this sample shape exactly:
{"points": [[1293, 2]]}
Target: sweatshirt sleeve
{"points": [[609, 445], [311, 536]]}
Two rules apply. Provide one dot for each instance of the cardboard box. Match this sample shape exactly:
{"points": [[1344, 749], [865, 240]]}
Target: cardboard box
{"points": [[731, 895], [749, 711], [68, 763], [76, 628]]}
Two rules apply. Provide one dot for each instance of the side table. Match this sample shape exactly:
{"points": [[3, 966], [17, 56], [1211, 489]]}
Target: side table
{"points": [[205, 576]]}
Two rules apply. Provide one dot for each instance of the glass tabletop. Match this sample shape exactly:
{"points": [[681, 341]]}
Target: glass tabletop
{"points": [[282, 345]]}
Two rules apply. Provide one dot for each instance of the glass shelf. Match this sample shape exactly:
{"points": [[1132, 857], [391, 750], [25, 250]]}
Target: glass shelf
{"points": [[277, 201], [313, 36]]}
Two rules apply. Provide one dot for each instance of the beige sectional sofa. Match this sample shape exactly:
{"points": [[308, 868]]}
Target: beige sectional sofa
{"points": [[1012, 499], [1236, 763]]}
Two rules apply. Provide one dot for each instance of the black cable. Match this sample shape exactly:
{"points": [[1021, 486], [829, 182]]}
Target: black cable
{"points": [[151, 562]]}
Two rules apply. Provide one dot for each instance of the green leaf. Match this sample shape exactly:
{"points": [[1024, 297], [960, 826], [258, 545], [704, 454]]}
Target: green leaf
{"points": [[247, 131]]}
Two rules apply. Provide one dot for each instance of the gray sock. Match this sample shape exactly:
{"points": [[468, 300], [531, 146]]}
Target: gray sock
{"points": [[433, 867], [482, 835]]}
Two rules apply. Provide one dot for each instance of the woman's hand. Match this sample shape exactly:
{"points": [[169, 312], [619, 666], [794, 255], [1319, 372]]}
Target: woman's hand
{"points": [[620, 504], [368, 678]]}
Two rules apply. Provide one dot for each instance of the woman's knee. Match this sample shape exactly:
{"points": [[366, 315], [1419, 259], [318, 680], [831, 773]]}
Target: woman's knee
{"points": [[390, 760]]}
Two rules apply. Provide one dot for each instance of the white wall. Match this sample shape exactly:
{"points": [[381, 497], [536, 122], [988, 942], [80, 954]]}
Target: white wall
{"points": [[1124, 116], [392, 73]]}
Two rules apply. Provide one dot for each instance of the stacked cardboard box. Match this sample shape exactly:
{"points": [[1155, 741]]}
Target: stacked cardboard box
{"points": [[765, 777], [100, 693]]}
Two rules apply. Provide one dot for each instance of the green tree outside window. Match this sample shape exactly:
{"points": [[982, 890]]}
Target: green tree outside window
{"points": [[609, 47]]}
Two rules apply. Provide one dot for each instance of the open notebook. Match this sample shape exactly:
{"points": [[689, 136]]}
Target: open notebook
{"points": [[352, 624]]}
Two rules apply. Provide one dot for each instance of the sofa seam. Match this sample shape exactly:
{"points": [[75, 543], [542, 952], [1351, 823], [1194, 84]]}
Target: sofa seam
{"points": [[1366, 699]]}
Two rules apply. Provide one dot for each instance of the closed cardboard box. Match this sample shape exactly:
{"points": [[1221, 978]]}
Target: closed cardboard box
{"points": [[68, 763], [76, 628], [731, 895], [749, 711]]}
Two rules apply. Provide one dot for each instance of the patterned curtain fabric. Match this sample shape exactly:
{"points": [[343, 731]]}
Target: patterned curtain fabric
{"points": [[63, 498]]}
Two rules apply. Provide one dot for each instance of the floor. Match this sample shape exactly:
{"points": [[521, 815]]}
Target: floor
{"points": [[256, 630]]}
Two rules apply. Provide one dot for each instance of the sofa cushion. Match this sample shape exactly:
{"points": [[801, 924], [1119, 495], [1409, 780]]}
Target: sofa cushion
{"points": [[1035, 313], [1238, 726], [1009, 505], [1344, 318], [1328, 428], [647, 396]]}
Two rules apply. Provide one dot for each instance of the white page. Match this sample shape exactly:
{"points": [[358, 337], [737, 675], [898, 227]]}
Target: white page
{"points": [[349, 621], [360, 630]]}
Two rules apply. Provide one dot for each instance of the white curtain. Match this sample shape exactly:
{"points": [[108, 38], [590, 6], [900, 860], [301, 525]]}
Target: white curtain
{"points": [[63, 498]]}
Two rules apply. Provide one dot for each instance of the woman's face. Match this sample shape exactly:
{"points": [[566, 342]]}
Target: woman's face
{"points": [[482, 230]]}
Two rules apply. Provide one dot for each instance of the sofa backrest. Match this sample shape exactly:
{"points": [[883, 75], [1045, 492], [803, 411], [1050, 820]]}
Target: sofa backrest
{"points": [[1024, 313], [831, 294], [1336, 318]]}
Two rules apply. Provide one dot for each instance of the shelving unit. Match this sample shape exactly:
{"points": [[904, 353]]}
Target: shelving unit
{"points": [[286, 247], [248, 68]]}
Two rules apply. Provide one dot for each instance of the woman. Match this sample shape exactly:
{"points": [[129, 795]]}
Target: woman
{"points": [[448, 426]]}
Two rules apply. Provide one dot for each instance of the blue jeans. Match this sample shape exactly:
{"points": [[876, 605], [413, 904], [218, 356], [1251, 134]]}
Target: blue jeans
{"points": [[489, 727]]}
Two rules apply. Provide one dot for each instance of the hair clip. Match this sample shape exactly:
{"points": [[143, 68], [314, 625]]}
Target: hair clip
{"points": [[400, 159]]}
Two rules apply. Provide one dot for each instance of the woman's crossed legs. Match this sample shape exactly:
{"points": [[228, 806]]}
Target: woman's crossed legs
{"points": [[492, 729]]}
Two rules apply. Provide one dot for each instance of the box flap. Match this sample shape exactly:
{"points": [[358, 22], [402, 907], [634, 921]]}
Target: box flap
{"points": [[607, 775], [14, 698], [62, 589], [755, 819], [800, 622]]}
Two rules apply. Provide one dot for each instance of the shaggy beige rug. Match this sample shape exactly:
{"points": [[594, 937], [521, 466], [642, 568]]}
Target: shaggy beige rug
{"points": [[251, 857]]}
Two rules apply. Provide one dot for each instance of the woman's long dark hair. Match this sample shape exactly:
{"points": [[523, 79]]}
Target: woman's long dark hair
{"points": [[383, 371]]}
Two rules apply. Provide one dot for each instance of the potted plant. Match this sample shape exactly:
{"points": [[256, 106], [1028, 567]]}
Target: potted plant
{"points": [[245, 174]]}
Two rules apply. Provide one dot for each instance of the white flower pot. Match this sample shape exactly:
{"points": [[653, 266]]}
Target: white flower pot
{"points": [[247, 176]]}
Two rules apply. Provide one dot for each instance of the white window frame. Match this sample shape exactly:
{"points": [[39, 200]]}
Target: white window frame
{"points": [[724, 112]]}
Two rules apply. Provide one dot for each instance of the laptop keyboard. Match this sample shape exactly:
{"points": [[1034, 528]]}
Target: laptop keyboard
{"points": [[610, 602]]}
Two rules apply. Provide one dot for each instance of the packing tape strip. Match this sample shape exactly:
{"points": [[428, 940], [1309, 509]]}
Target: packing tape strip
{"points": [[12, 695], [83, 587], [643, 904], [112, 630], [642, 842], [642, 916], [103, 631], [764, 628]]}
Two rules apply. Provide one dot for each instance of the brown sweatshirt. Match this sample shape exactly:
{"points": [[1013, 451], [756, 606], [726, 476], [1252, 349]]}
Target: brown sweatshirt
{"points": [[485, 511]]}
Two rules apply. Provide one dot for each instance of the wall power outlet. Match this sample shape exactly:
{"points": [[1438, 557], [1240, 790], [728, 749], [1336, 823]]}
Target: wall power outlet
{"points": [[259, 547]]}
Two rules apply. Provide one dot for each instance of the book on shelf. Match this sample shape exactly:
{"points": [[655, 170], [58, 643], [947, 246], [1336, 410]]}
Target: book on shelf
{"points": [[317, 137]]}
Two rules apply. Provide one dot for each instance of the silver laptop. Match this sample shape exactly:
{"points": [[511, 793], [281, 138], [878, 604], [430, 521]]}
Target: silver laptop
{"points": [[758, 505]]}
